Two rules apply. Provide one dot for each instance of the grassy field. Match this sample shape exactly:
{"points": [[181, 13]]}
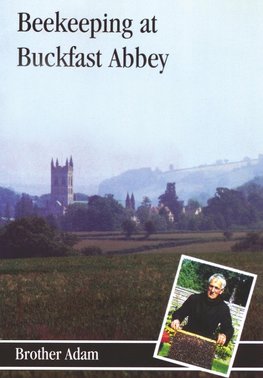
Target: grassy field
{"points": [[109, 296], [117, 243]]}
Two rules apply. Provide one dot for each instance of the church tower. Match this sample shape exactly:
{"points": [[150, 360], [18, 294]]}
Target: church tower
{"points": [[62, 182], [130, 202]]}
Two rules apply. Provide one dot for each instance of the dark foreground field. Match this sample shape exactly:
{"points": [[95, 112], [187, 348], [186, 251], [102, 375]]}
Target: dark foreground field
{"points": [[122, 374], [109, 297]]}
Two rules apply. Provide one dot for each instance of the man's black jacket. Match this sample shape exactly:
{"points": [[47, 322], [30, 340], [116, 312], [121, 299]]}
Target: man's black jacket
{"points": [[205, 316]]}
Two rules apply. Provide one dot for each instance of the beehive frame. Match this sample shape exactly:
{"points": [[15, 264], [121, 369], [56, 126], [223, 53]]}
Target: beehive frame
{"points": [[192, 349]]}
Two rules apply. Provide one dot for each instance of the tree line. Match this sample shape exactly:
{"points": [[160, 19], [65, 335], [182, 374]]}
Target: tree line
{"points": [[227, 209], [30, 234], [194, 275]]}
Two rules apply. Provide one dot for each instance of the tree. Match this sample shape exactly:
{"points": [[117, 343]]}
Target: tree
{"points": [[160, 222], [255, 199], [189, 275], [105, 213], [144, 210], [229, 207], [99, 214], [128, 227], [24, 207], [149, 227], [76, 218], [8, 200], [31, 237], [253, 192], [252, 242], [7, 211], [195, 275], [193, 205], [169, 199]]}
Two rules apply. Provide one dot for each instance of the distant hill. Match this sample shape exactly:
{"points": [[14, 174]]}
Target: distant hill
{"points": [[198, 183]]}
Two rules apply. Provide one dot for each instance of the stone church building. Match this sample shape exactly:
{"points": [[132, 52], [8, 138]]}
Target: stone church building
{"points": [[62, 194]]}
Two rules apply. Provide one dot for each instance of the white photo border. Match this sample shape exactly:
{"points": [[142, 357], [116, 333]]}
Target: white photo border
{"points": [[205, 262]]}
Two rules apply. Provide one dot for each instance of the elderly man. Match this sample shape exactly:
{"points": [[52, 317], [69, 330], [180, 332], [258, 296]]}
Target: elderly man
{"points": [[208, 314]]}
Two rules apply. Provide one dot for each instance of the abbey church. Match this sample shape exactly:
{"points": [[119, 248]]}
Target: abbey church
{"points": [[62, 194]]}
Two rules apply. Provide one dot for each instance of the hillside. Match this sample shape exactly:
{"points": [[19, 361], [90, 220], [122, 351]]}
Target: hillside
{"points": [[198, 182]]}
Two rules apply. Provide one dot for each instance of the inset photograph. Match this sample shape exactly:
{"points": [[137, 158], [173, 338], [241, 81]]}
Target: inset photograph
{"points": [[205, 315]]}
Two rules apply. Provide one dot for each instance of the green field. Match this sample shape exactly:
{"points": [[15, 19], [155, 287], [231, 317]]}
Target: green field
{"points": [[110, 296], [166, 242]]}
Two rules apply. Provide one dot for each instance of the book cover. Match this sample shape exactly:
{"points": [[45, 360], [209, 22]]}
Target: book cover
{"points": [[109, 110]]}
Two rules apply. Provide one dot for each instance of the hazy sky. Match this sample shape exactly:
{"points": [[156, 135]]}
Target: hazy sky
{"points": [[205, 106]]}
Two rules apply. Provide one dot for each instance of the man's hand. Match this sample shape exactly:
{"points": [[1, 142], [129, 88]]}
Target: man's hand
{"points": [[221, 339], [175, 324]]}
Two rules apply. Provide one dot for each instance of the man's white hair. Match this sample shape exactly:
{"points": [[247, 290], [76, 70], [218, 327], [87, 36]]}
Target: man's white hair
{"points": [[218, 277]]}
